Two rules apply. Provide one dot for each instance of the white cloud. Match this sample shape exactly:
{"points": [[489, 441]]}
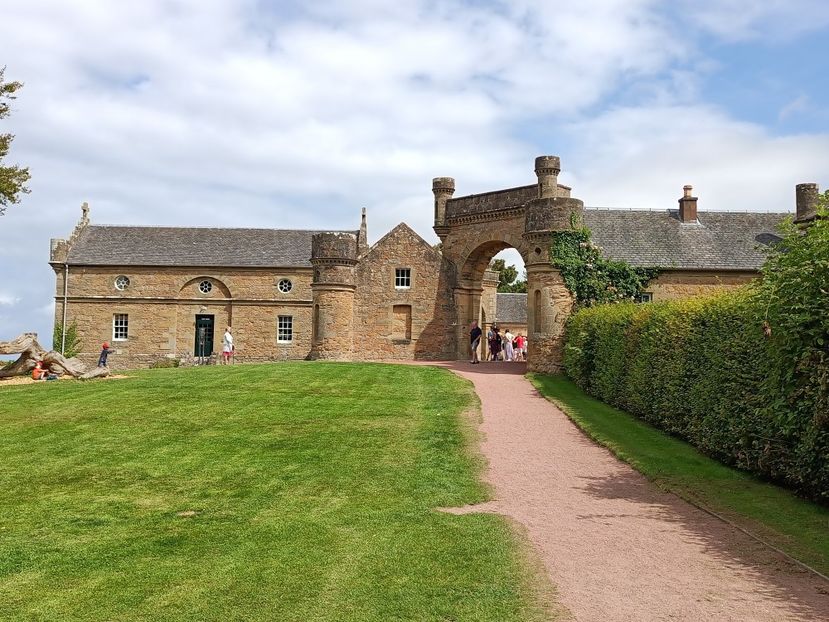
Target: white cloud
{"points": [[641, 158], [8, 300], [738, 20], [296, 115]]}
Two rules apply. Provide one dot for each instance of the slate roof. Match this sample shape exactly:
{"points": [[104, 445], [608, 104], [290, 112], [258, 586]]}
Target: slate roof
{"points": [[192, 246], [511, 309], [721, 240]]}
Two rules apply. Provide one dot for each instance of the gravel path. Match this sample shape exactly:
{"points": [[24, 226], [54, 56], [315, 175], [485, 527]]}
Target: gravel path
{"points": [[616, 546]]}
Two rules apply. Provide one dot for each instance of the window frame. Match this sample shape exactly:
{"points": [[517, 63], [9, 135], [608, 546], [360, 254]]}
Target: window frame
{"points": [[289, 283], [125, 325], [124, 280], [644, 297], [284, 324], [402, 275], [209, 284]]}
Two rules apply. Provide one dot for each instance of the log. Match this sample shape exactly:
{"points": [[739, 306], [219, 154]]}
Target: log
{"points": [[58, 364], [53, 362], [23, 343], [98, 372]]}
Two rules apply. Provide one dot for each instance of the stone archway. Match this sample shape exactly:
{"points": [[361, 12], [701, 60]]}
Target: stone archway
{"points": [[473, 228]]}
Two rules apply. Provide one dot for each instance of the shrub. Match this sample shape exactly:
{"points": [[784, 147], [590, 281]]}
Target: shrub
{"points": [[73, 344], [742, 375], [165, 363]]}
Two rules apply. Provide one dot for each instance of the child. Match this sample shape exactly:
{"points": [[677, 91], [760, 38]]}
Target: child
{"points": [[102, 360], [38, 373]]}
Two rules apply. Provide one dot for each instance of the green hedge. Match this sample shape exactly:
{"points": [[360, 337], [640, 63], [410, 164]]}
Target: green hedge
{"points": [[704, 370]]}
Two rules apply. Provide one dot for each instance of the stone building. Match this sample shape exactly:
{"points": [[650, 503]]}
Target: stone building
{"points": [[169, 292]]}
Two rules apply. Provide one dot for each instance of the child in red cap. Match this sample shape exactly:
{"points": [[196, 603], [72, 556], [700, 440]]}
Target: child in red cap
{"points": [[102, 360]]}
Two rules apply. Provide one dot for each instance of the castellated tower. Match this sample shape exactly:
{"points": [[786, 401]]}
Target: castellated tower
{"points": [[334, 257]]}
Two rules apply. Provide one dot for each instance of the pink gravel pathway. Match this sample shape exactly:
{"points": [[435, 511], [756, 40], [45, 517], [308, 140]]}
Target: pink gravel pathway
{"points": [[617, 547]]}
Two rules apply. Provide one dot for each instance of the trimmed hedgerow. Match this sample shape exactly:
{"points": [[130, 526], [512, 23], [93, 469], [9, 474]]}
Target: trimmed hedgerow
{"points": [[744, 376]]}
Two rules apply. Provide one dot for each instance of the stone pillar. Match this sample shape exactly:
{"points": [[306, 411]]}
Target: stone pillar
{"points": [[443, 188], [547, 169], [468, 305], [549, 304], [334, 257], [806, 196]]}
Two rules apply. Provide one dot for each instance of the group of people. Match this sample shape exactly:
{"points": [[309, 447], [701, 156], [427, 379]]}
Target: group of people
{"points": [[502, 346]]}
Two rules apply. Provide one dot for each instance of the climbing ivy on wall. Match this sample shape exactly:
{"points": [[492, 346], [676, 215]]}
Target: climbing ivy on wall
{"points": [[592, 278]]}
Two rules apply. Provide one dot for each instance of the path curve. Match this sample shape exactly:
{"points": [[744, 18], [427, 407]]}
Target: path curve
{"points": [[617, 547]]}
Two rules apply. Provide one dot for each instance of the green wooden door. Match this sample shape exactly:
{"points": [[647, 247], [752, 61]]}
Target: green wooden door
{"points": [[204, 335]]}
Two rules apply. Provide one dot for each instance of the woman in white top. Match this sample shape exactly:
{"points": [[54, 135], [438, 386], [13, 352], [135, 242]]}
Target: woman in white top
{"points": [[508, 354], [227, 347]]}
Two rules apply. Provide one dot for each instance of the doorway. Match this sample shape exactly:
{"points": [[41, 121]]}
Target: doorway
{"points": [[203, 347]]}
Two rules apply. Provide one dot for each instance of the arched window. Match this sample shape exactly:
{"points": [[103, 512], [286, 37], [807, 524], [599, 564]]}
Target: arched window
{"points": [[317, 330]]}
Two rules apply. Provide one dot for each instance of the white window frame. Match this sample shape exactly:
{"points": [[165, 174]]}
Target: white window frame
{"points": [[644, 297], [288, 283], [402, 278], [122, 282], [208, 286], [284, 329], [120, 326]]}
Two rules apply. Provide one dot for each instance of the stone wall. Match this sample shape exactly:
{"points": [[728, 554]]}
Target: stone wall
{"points": [[673, 284], [379, 307]]}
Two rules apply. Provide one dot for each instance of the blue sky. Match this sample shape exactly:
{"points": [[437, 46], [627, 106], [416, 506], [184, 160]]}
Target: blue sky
{"points": [[266, 114]]}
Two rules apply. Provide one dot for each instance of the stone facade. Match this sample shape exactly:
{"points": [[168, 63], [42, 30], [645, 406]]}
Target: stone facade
{"points": [[404, 322], [673, 284], [401, 298]]}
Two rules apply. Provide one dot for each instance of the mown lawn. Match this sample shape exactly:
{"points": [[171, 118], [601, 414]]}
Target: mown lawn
{"points": [[294, 491], [796, 526]]}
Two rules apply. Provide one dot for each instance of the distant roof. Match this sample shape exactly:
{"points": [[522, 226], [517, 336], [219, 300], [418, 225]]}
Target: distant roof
{"points": [[719, 241], [511, 309], [192, 246]]}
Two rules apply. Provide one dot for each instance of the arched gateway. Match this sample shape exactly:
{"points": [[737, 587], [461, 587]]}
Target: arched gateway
{"points": [[474, 228]]}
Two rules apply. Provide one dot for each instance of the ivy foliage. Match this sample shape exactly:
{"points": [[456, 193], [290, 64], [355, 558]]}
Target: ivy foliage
{"points": [[592, 278], [742, 375]]}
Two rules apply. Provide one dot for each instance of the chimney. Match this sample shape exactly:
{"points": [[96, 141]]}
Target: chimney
{"points": [[687, 206], [806, 197]]}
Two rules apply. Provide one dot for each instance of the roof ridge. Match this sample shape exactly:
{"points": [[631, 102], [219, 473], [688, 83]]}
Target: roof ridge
{"points": [[205, 227], [674, 209]]}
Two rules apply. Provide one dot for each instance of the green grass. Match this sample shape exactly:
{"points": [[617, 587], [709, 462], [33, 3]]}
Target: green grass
{"points": [[798, 527], [313, 487]]}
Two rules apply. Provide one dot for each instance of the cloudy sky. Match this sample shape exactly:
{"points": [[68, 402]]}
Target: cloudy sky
{"points": [[297, 114]]}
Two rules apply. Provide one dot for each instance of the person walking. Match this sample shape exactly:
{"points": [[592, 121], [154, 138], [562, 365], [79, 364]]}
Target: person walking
{"points": [[508, 351], [495, 343], [519, 348], [102, 358], [474, 341], [227, 347]]}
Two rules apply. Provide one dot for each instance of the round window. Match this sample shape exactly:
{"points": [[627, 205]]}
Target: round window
{"points": [[122, 282], [284, 286], [205, 287]]}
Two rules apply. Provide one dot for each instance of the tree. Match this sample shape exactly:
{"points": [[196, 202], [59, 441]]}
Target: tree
{"points": [[72, 346], [12, 178], [507, 276]]}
